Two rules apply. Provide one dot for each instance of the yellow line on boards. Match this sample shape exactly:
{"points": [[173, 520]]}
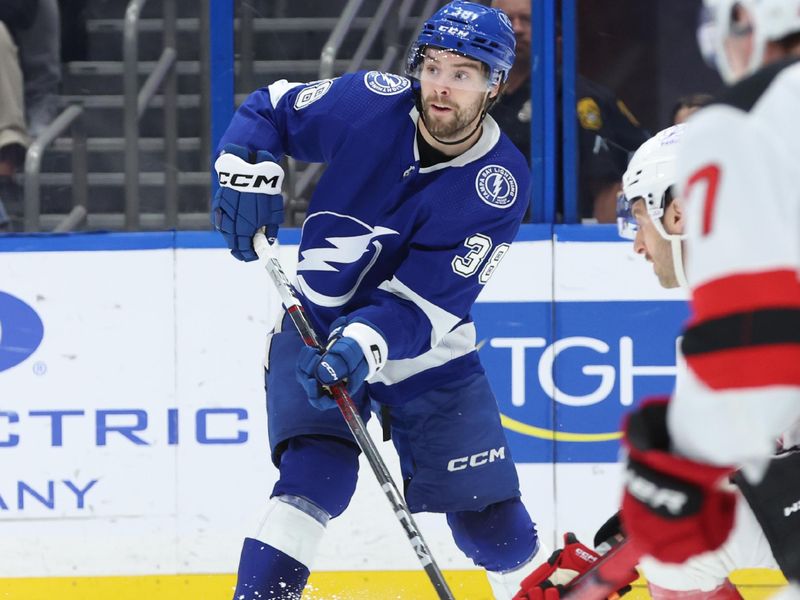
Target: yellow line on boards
{"points": [[755, 584], [558, 436]]}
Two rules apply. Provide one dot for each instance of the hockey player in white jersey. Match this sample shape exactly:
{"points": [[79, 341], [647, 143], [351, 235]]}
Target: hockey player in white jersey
{"points": [[650, 214], [737, 177], [738, 183], [420, 201], [653, 216]]}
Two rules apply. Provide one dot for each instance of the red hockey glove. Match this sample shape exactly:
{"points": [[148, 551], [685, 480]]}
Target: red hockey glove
{"points": [[673, 508], [549, 580]]}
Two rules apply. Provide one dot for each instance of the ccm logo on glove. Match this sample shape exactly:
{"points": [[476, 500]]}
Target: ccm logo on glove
{"points": [[585, 555], [238, 174], [329, 369]]}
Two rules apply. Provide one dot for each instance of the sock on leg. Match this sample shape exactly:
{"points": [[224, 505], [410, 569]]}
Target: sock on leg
{"points": [[276, 563]]}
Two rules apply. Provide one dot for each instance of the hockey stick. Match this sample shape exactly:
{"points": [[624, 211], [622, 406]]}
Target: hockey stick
{"points": [[267, 252], [603, 579]]}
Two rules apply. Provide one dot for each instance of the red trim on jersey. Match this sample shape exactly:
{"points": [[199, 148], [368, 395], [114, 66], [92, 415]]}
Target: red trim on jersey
{"points": [[744, 293], [747, 367]]}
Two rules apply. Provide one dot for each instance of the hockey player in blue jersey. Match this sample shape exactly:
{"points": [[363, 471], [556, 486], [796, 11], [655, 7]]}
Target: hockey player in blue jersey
{"points": [[420, 201]]}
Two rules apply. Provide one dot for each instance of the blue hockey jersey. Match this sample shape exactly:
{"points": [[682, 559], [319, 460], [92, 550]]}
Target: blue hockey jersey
{"points": [[407, 248]]}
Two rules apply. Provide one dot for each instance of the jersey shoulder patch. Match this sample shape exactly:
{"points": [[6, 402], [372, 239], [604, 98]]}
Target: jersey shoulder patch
{"points": [[496, 186], [386, 84]]}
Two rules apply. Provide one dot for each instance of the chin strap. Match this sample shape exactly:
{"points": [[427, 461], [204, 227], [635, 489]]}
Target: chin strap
{"points": [[676, 245], [677, 260]]}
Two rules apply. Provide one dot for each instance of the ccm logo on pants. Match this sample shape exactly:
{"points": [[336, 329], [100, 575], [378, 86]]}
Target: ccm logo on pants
{"points": [[476, 460]]}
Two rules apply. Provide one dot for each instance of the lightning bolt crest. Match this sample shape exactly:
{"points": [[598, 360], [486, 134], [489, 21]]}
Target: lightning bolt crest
{"points": [[345, 250], [498, 184]]}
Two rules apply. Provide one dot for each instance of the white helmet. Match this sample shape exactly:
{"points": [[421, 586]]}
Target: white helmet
{"points": [[650, 175], [772, 20]]}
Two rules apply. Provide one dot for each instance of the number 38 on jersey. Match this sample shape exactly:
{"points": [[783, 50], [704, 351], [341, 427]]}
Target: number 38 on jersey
{"points": [[480, 247]]}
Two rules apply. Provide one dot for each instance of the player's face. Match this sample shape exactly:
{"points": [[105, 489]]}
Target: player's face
{"points": [[739, 44], [453, 90], [652, 246], [519, 13]]}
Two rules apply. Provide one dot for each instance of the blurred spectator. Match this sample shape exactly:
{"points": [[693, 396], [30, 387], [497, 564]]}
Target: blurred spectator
{"points": [[607, 131], [686, 105], [30, 75], [513, 110], [608, 134], [15, 16], [40, 57]]}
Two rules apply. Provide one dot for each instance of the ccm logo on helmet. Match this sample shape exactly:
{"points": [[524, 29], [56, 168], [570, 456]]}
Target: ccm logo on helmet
{"points": [[453, 31], [476, 460]]}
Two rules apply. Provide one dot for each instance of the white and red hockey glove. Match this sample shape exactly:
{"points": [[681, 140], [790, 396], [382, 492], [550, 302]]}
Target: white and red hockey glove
{"points": [[673, 508], [551, 579]]}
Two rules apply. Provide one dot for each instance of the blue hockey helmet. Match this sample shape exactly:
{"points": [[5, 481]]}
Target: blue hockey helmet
{"points": [[473, 30]]}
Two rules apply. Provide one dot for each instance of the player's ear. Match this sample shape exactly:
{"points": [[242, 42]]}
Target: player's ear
{"points": [[496, 90], [678, 222]]}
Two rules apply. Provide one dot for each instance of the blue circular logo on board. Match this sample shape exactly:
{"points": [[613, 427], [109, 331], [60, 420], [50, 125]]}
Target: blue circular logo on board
{"points": [[21, 331], [496, 186], [386, 84]]}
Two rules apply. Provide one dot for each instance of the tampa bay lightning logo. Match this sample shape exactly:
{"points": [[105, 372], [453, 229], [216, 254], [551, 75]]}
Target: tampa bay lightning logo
{"points": [[332, 266], [496, 186], [21, 331], [386, 84]]}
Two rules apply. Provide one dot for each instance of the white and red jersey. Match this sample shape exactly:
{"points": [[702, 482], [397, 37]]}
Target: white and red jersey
{"points": [[739, 178]]}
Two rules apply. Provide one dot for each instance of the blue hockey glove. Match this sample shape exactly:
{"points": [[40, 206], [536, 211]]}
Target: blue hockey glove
{"points": [[344, 360], [248, 198]]}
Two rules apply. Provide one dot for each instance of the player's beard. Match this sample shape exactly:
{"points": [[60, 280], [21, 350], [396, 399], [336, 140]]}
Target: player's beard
{"points": [[455, 124]]}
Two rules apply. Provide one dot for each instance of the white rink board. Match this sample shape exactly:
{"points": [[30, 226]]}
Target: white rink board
{"points": [[167, 334]]}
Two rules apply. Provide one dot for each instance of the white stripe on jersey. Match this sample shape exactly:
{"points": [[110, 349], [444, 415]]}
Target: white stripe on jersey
{"points": [[457, 343], [441, 320], [278, 90]]}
